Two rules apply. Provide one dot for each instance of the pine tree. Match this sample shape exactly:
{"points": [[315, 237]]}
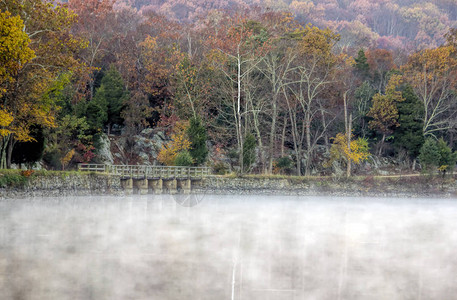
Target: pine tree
{"points": [[96, 115], [429, 155], [361, 64], [447, 158], [197, 136], [409, 135], [111, 97]]}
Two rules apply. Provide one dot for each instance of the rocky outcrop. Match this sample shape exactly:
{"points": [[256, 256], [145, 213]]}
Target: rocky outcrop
{"points": [[148, 144], [104, 154], [140, 149]]}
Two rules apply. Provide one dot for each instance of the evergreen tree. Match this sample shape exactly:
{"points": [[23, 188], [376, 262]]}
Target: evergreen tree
{"points": [[447, 158], [361, 64], [197, 136], [111, 97], [96, 115], [429, 155], [409, 135]]}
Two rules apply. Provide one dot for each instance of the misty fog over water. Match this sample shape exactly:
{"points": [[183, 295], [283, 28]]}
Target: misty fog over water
{"points": [[228, 247]]}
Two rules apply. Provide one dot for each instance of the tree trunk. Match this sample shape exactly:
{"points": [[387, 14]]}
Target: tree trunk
{"points": [[299, 161], [4, 146], [238, 114], [348, 127], [381, 146], [308, 145], [91, 88], [9, 151], [272, 136], [349, 165], [324, 125], [259, 142], [283, 138]]}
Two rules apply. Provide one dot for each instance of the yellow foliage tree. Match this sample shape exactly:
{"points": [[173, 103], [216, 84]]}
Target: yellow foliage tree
{"points": [[5, 120], [36, 45], [67, 158], [179, 142], [14, 48], [356, 153]]}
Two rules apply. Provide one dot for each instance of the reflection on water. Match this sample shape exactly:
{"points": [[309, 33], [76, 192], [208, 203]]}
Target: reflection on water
{"points": [[227, 247]]}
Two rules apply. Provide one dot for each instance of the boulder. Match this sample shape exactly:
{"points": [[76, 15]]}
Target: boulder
{"points": [[161, 135], [145, 158], [147, 133], [104, 154]]}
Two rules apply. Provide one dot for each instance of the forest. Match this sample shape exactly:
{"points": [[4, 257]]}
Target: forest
{"points": [[267, 87]]}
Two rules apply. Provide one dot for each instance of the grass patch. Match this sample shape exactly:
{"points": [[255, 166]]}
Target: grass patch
{"points": [[13, 178], [19, 178]]}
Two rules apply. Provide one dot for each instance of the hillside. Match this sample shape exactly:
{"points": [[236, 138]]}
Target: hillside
{"points": [[390, 24]]}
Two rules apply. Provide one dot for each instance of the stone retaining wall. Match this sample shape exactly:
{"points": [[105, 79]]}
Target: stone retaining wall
{"points": [[65, 185], [98, 184], [398, 187]]}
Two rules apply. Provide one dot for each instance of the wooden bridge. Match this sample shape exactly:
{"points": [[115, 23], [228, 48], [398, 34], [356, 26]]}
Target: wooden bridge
{"points": [[144, 179]]}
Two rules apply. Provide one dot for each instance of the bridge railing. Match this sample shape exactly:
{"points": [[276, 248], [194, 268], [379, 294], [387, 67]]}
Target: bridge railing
{"points": [[142, 171]]}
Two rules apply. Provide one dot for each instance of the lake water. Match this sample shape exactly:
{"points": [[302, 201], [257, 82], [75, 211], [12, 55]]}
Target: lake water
{"points": [[228, 247]]}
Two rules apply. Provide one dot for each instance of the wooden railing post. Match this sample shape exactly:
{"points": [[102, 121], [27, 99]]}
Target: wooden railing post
{"points": [[146, 171]]}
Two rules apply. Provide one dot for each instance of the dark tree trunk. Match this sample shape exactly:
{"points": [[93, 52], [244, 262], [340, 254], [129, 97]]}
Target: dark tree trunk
{"points": [[9, 151]]}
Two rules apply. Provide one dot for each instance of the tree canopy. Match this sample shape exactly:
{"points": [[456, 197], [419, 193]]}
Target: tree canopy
{"points": [[243, 88]]}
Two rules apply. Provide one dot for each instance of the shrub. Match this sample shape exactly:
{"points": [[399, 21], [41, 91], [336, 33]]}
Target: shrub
{"points": [[184, 159], [283, 164], [220, 168], [52, 158], [27, 173], [357, 152], [12, 178], [179, 143]]}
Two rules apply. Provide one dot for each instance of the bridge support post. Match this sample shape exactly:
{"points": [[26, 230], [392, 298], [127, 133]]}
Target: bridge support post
{"points": [[141, 185], [185, 185], [127, 185], [155, 186], [171, 185]]}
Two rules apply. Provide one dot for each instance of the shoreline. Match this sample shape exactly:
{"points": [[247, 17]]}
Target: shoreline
{"points": [[85, 184]]}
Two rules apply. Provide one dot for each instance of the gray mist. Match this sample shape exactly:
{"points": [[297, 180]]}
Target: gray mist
{"points": [[228, 247]]}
